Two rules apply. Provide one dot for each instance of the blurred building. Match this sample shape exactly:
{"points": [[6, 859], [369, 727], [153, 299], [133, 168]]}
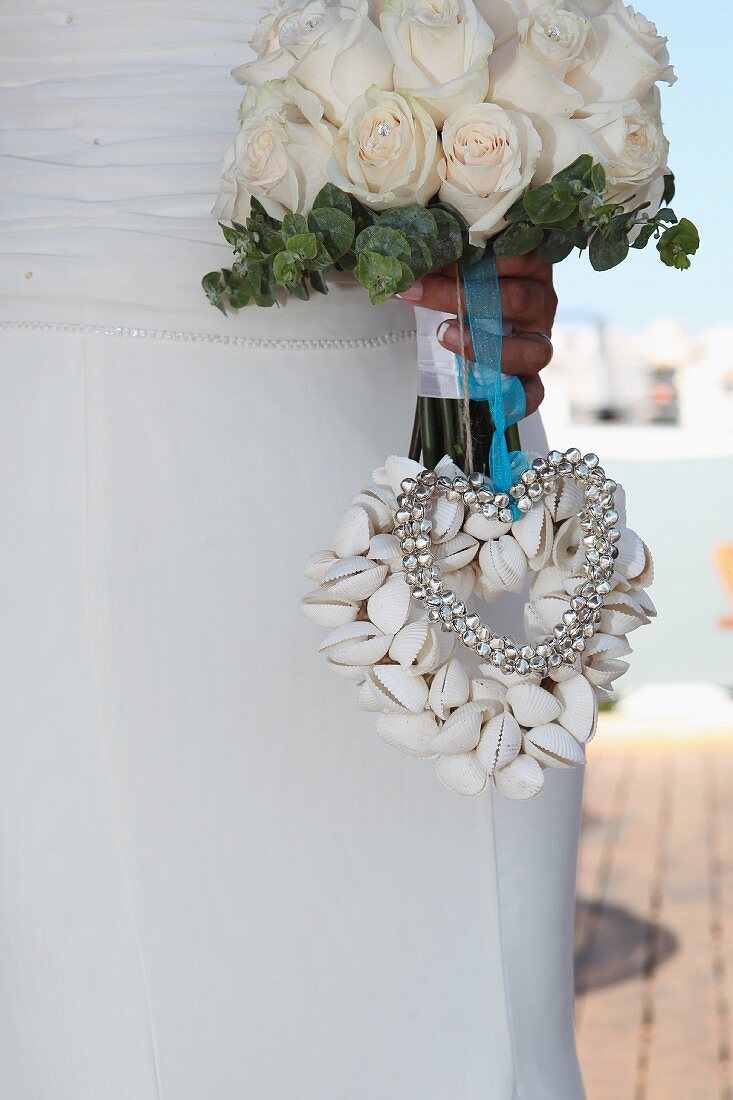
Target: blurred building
{"points": [[664, 377]]}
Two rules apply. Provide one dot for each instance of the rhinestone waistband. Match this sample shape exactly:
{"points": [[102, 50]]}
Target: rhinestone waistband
{"points": [[181, 336]]}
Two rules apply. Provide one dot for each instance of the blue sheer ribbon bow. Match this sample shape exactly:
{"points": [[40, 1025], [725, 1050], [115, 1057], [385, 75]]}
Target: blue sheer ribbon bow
{"points": [[505, 396]]}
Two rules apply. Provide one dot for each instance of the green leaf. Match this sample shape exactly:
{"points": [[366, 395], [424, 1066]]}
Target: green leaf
{"points": [[678, 243], [257, 210], [447, 248], [381, 275], [294, 224], [516, 212], [556, 246], [644, 235], [336, 227], [265, 296], [518, 239], [580, 169], [413, 221], [304, 245], [669, 188], [421, 258], [321, 261], [331, 197], [544, 207], [666, 215], [385, 241], [318, 281], [598, 177], [300, 290], [607, 250], [214, 285], [287, 269], [230, 235]]}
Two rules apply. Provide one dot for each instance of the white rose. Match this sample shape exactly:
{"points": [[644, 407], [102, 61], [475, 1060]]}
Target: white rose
{"points": [[632, 143], [330, 46], [531, 73], [387, 151], [632, 56], [501, 16], [440, 49], [626, 138], [563, 141], [279, 156], [490, 158]]}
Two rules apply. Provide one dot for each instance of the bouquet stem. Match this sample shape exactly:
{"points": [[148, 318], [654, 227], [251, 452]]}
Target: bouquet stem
{"points": [[438, 430]]}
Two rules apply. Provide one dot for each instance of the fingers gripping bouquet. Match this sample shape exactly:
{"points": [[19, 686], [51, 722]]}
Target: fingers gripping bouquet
{"points": [[423, 135]]}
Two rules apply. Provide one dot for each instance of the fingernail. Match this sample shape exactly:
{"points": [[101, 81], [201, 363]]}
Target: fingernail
{"points": [[442, 329], [413, 294]]}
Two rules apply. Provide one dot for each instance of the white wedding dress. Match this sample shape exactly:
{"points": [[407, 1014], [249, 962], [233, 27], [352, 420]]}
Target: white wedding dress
{"points": [[217, 882]]}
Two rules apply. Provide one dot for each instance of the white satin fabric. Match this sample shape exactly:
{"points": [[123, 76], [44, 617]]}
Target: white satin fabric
{"points": [[217, 882]]}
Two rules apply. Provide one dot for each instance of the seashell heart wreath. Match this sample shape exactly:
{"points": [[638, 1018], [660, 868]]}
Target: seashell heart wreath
{"points": [[397, 623]]}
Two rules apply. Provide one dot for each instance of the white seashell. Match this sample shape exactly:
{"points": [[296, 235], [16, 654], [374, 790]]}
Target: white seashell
{"points": [[409, 643], [579, 708], [534, 626], [462, 773], [447, 517], [396, 469], [503, 565], [381, 513], [621, 616], [353, 533], [543, 555], [460, 732], [550, 582], [501, 740], [327, 610], [550, 610], [450, 688], [553, 746], [532, 705], [355, 644], [646, 577], [456, 553], [447, 468], [565, 502], [645, 602], [568, 552], [463, 581], [631, 554], [388, 606], [490, 694], [528, 530], [354, 578], [318, 563], [619, 503], [607, 646], [522, 778], [411, 733], [355, 673], [602, 673], [386, 550], [397, 690], [484, 529]]}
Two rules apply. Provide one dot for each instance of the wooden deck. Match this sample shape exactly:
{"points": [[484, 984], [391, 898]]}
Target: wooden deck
{"points": [[654, 930]]}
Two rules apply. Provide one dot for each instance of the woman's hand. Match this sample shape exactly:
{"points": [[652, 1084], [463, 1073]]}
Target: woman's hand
{"points": [[528, 303]]}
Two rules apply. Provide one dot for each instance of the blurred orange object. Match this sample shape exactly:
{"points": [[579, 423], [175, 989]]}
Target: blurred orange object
{"points": [[723, 559]]}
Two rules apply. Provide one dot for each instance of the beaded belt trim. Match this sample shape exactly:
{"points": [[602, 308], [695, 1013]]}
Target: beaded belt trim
{"points": [[178, 336]]}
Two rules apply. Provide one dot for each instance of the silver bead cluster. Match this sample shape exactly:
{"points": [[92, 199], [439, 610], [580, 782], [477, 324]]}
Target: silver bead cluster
{"points": [[598, 520]]}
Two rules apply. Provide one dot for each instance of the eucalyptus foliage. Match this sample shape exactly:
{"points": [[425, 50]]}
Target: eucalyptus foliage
{"points": [[387, 252]]}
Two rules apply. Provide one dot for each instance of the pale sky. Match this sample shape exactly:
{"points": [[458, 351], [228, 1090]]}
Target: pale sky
{"points": [[697, 113]]}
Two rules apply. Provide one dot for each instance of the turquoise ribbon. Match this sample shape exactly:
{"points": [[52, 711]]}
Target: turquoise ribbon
{"points": [[505, 396]]}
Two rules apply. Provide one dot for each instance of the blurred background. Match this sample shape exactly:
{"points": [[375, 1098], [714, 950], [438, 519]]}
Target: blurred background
{"points": [[643, 375]]}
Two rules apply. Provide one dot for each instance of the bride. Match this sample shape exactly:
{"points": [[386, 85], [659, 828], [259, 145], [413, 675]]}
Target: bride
{"points": [[217, 882]]}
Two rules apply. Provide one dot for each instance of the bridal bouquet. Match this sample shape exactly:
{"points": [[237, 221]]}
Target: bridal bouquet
{"points": [[393, 139]]}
